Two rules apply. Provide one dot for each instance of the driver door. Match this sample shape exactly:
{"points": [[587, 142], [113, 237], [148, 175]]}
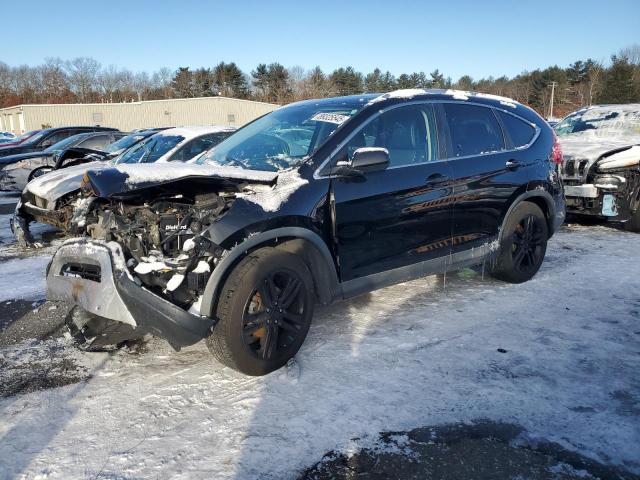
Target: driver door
{"points": [[402, 215]]}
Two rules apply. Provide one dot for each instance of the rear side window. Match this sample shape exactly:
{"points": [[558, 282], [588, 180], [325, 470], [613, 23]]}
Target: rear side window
{"points": [[474, 130], [519, 131]]}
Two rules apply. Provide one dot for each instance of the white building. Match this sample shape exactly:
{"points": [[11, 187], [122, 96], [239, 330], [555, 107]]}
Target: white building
{"points": [[129, 116]]}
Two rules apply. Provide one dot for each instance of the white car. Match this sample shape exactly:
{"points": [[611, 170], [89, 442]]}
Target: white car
{"points": [[53, 197]]}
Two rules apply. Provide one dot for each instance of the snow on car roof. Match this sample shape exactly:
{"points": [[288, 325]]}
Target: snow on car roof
{"points": [[189, 132], [409, 93]]}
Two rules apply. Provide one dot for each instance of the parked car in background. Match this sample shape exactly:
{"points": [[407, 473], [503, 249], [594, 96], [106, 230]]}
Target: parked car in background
{"points": [[9, 142], [77, 154], [17, 170], [47, 137], [238, 247], [53, 198], [6, 137], [600, 171]]}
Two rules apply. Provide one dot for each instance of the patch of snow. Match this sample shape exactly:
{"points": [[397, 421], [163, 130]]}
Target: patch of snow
{"points": [[188, 245], [147, 267], [23, 278], [174, 282], [150, 172], [194, 131], [403, 93], [458, 94], [202, 267], [406, 356], [270, 199]]}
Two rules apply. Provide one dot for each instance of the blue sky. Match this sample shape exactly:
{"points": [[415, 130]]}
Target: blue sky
{"points": [[480, 38]]}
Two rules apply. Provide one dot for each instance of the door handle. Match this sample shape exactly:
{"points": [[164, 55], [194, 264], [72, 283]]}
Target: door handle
{"points": [[436, 179], [512, 164]]}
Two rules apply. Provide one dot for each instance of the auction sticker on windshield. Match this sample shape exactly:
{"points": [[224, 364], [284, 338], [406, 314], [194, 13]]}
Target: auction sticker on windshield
{"points": [[336, 118]]}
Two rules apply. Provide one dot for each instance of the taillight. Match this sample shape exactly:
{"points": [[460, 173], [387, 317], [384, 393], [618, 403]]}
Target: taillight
{"points": [[556, 151]]}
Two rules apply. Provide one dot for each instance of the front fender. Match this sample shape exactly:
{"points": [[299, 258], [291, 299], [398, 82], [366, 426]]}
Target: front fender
{"points": [[228, 262]]}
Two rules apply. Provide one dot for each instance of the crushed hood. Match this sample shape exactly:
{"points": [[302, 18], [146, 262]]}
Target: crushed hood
{"points": [[122, 179], [577, 147], [58, 183]]}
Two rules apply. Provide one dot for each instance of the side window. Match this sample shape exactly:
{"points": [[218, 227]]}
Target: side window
{"points": [[474, 130], [97, 142], [408, 133], [195, 147], [519, 131], [56, 137]]}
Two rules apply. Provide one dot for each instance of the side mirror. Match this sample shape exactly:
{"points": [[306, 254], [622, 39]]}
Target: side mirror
{"points": [[369, 159]]}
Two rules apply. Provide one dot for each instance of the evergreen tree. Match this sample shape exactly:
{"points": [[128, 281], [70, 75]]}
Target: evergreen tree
{"points": [[202, 83], [346, 81], [373, 82], [437, 79], [618, 85], [182, 83]]}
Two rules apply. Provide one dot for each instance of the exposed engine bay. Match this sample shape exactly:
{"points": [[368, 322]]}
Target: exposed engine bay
{"points": [[161, 239]]}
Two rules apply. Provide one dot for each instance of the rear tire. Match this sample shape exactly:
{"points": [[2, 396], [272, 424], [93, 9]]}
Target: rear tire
{"points": [[523, 244], [264, 312]]}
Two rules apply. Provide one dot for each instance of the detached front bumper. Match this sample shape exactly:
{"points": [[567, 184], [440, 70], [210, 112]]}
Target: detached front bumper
{"points": [[93, 276], [612, 196]]}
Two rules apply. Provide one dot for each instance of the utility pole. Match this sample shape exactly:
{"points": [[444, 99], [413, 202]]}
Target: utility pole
{"points": [[553, 91]]}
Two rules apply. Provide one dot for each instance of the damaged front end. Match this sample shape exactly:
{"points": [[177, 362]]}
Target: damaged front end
{"points": [[146, 259], [608, 186]]}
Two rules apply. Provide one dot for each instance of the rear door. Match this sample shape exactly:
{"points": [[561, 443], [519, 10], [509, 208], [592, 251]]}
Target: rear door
{"points": [[401, 215], [487, 172]]}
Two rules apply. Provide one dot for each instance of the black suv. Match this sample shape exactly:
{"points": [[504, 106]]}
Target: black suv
{"points": [[315, 202], [46, 138]]}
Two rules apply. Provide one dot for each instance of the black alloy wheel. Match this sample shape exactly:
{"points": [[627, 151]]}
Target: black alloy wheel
{"points": [[528, 244], [273, 318], [523, 244], [264, 311]]}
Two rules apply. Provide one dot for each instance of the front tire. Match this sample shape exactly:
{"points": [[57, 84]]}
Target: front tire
{"points": [[264, 312], [523, 244]]}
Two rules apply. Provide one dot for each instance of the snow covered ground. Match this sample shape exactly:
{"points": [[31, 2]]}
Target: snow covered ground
{"points": [[559, 355]]}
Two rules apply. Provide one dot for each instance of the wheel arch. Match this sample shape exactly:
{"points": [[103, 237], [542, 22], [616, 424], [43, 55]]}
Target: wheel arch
{"points": [[297, 240], [542, 199]]}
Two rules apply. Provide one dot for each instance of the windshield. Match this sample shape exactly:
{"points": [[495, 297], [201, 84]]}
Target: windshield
{"points": [[600, 121], [26, 135], [285, 136], [124, 143], [66, 143], [150, 150]]}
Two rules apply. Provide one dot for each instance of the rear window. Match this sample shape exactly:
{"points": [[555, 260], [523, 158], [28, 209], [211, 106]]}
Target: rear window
{"points": [[474, 130], [519, 131]]}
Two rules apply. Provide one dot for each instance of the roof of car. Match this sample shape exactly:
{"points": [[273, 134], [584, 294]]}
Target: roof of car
{"points": [[194, 131], [624, 107], [89, 127], [398, 96]]}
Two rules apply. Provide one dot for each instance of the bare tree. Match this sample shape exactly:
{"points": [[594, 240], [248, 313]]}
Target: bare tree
{"points": [[83, 73]]}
